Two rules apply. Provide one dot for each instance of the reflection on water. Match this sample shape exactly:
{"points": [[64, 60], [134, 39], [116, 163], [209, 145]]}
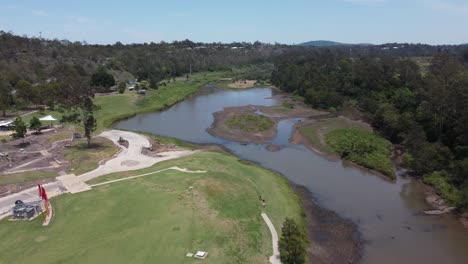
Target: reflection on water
{"points": [[389, 214]]}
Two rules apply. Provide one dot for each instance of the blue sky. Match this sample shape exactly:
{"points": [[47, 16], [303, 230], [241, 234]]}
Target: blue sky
{"points": [[287, 21]]}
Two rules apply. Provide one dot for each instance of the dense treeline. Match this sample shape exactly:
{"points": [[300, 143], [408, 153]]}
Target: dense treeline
{"points": [[425, 110], [34, 59], [32, 70]]}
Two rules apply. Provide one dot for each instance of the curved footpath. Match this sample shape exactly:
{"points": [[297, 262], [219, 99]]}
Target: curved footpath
{"points": [[127, 159], [275, 259]]}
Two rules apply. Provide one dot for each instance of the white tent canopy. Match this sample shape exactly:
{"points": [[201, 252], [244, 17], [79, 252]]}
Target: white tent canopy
{"points": [[48, 118], [5, 123]]}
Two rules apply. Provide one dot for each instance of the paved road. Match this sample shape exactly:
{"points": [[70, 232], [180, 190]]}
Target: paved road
{"points": [[126, 160], [274, 238]]}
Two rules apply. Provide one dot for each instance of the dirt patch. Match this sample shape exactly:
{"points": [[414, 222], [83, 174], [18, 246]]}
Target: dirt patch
{"points": [[333, 239], [7, 189], [34, 159], [243, 84], [41, 238], [298, 138], [157, 147], [464, 220], [273, 148]]}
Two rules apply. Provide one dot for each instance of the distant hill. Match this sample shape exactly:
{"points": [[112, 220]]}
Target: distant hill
{"points": [[327, 43]]}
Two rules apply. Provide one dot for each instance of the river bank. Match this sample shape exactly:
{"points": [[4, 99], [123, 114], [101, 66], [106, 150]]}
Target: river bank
{"points": [[333, 239], [389, 214]]}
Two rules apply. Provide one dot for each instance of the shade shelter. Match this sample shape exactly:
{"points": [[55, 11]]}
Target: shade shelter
{"points": [[48, 118]]}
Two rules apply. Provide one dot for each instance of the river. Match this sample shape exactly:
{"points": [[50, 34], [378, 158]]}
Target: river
{"points": [[389, 214]]}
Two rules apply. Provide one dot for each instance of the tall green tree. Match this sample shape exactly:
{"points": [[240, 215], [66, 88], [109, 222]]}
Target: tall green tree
{"points": [[78, 100], [122, 87], [89, 127], [35, 124], [292, 243], [102, 78], [26, 91], [19, 128], [5, 96]]}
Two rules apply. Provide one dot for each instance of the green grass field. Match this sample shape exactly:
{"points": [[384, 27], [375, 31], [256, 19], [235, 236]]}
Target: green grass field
{"points": [[83, 158], [159, 218], [26, 177], [249, 123]]}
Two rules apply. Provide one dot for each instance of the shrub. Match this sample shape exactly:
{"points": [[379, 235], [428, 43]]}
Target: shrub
{"points": [[292, 243], [288, 105], [364, 148], [439, 179]]}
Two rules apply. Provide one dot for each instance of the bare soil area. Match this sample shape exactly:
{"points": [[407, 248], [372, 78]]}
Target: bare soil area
{"points": [[242, 84], [34, 159], [158, 147]]}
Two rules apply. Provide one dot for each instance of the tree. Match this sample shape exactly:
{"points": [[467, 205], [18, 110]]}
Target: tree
{"points": [[35, 124], [122, 87], [78, 98], [5, 96], [89, 126], [292, 243], [102, 78], [26, 91], [20, 128]]}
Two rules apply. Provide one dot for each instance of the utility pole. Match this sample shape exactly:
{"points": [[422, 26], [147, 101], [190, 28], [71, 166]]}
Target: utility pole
{"points": [[40, 34]]}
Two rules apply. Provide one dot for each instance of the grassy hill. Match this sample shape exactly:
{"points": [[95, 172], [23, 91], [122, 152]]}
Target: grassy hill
{"points": [[159, 218]]}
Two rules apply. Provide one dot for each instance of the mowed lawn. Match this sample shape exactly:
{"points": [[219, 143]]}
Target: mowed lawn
{"points": [[159, 218]]}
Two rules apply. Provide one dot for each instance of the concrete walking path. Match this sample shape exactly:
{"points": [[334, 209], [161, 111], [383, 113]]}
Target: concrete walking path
{"points": [[126, 160], [146, 174], [275, 259], [130, 158]]}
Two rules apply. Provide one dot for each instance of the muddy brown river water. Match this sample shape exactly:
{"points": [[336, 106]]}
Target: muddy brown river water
{"points": [[389, 214]]}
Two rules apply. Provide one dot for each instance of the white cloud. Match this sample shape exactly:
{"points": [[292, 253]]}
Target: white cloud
{"points": [[39, 13]]}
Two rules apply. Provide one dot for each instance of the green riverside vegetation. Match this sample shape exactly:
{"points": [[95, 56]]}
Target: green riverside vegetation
{"points": [[249, 123], [120, 106], [363, 148], [161, 217]]}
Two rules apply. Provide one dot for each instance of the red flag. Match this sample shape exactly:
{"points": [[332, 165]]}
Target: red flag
{"points": [[40, 190], [44, 194]]}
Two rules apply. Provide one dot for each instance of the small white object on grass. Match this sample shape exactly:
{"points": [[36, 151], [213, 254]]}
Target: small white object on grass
{"points": [[201, 254], [189, 255]]}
